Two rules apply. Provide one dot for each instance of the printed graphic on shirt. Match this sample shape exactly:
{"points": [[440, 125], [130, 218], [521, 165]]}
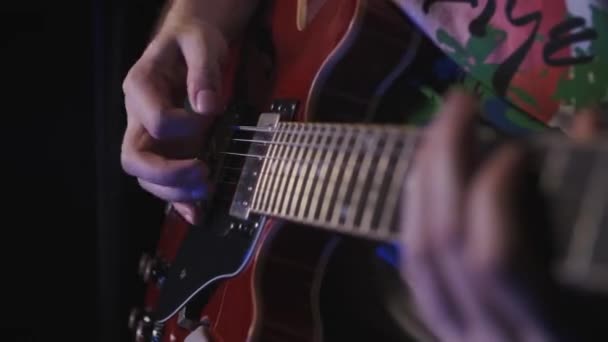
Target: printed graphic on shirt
{"points": [[546, 58]]}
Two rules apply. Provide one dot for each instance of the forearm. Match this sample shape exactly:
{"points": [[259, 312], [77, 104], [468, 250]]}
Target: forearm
{"points": [[229, 16]]}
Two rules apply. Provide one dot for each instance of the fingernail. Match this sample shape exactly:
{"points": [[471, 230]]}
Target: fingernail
{"points": [[185, 211], [188, 216], [206, 101]]}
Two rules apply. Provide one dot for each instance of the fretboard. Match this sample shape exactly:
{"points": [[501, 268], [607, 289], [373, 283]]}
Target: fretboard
{"points": [[349, 178], [344, 177]]}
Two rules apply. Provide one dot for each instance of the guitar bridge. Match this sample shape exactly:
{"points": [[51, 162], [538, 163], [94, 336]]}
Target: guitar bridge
{"points": [[243, 197]]}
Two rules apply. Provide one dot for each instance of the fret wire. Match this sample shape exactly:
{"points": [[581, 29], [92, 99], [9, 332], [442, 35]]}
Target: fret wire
{"points": [[295, 167], [396, 187], [362, 175], [262, 181], [276, 166], [367, 182], [283, 169], [336, 159], [258, 178], [318, 189], [273, 166], [341, 209], [281, 175], [377, 177], [337, 175], [317, 135], [310, 181]]}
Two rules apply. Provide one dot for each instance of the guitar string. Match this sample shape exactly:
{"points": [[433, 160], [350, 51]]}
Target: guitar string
{"points": [[300, 162], [408, 139], [285, 126], [303, 175], [297, 133], [318, 147]]}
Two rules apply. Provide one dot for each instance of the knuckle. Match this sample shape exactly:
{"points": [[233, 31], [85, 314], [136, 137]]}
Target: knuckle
{"points": [[126, 162], [157, 127], [134, 77], [126, 83], [129, 79]]}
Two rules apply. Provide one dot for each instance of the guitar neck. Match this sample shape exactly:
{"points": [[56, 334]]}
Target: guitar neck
{"points": [[341, 177], [349, 178]]}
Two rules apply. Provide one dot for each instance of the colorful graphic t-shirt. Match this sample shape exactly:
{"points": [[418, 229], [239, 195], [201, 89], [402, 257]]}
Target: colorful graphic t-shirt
{"points": [[534, 62]]}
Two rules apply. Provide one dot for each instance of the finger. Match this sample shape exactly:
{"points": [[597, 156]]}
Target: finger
{"points": [[431, 220], [586, 125], [150, 95], [203, 50], [435, 310], [175, 147], [420, 270], [490, 211], [138, 160], [450, 157], [450, 149], [174, 194], [491, 244]]}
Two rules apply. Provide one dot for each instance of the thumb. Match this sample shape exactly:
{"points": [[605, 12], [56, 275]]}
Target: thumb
{"points": [[203, 52]]}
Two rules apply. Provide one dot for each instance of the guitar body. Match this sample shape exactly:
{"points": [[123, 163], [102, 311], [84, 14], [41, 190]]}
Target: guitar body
{"points": [[319, 60]]}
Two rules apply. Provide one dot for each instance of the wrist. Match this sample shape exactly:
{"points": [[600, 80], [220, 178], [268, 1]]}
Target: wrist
{"points": [[197, 14]]}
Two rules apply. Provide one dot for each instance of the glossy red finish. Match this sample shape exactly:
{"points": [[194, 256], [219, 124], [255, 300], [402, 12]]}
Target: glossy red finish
{"points": [[301, 54], [173, 231], [234, 311], [316, 66]]}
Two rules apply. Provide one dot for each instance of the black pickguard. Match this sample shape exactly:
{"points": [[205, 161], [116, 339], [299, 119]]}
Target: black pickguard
{"points": [[207, 254]]}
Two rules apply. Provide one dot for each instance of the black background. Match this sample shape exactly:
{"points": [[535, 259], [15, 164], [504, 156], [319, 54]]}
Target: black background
{"points": [[77, 223]]}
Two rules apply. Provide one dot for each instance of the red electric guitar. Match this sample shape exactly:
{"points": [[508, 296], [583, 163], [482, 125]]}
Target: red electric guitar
{"points": [[307, 152]]}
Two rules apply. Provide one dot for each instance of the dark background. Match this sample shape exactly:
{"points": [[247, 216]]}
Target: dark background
{"points": [[80, 223]]}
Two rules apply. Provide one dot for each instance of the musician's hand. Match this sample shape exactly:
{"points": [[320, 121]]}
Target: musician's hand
{"points": [[162, 139], [461, 238]]}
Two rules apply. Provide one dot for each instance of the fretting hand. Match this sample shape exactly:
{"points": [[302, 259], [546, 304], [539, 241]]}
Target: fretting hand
{"points": [[461, 235]]}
